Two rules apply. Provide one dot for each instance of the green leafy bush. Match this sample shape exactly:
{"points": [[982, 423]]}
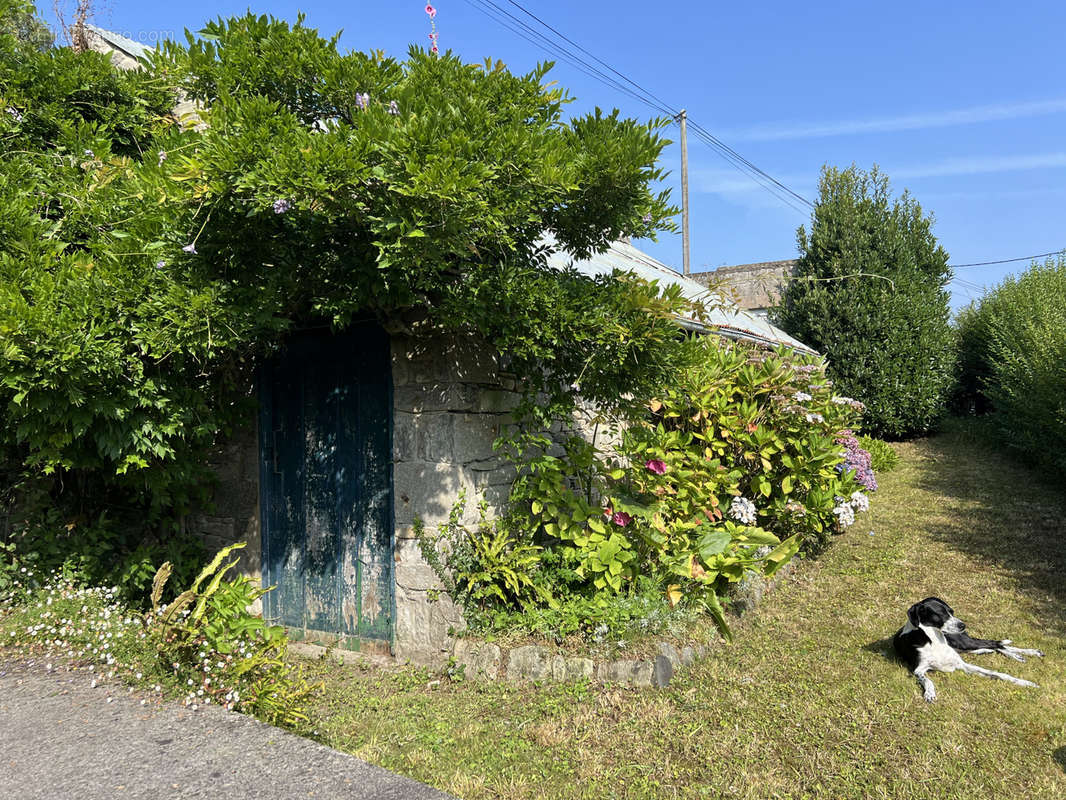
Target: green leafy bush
{"points": [[732, 468], [483, 566], [204, 646], [870, 293], [148, 265], [1013, 362], [101, 553], [216, 646], [882, 457]]}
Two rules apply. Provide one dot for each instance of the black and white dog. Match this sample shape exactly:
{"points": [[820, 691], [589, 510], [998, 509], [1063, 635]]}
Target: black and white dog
{"points": [[933, 638]]}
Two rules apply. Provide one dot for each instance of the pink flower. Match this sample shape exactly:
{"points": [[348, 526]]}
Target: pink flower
{"points": [[431, 11], [656, 466], [621, 519], [434, 49]]}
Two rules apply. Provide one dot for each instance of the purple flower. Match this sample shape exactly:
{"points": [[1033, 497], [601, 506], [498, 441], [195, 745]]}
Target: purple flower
{"points": [[281, 206], [362, 101], [162, 157], [655, 465], [394, 109], [190, 248], [621, 518], [647, 219], [160, 264]]}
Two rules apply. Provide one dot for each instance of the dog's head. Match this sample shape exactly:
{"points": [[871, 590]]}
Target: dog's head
{"points": [[935, 613]]}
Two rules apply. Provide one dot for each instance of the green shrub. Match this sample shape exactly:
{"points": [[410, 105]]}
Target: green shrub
{"points": [[1013, 359], [733, 468], [147, 266], [226, 654], [102, 553], [883, 458], [870, 293]]}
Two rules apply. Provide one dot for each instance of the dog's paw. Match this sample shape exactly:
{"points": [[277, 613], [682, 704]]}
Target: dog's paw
{"points": [[1005, 642], [1030, 684], [930, 696]]}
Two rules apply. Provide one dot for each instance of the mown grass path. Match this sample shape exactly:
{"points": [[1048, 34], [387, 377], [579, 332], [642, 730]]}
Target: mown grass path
{"points": [[807, 702]]}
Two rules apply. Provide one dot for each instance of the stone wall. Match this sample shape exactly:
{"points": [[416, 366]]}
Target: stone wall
{"points": [[449, 404], [755, 287], [233, 513]]}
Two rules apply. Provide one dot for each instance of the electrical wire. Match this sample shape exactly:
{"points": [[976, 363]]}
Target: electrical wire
{"points": [[1008, 260], [634, 90]]}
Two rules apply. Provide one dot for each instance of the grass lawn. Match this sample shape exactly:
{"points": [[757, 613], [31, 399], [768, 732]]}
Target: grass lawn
{"points": [[807, 701]]}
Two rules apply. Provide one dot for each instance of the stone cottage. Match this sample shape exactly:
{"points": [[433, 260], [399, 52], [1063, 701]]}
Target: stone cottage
{"points": [[360, 434]]}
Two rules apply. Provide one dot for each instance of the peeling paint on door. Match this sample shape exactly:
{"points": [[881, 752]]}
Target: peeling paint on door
{"points": [[326, 487]]}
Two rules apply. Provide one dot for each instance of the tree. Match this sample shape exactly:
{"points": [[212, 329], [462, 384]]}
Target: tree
{"points": [[870, 293], [148, 262]]}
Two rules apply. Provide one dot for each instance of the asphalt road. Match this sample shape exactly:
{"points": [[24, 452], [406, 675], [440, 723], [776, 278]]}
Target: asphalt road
{"points": [[61, 739]]}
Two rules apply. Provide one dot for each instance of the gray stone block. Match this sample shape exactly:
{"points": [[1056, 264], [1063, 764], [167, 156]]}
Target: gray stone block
{"points": [[748, 593], [626, 672], [662, 671], [531, 663], [481, 660], [578, 668], [688, 656], [668, 651], [422, 626]]}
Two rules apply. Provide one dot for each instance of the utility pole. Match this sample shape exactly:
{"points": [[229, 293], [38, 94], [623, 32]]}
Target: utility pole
{"points": [[683, 119]]}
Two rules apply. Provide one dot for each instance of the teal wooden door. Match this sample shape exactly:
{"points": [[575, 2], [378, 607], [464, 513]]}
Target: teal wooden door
{"points": [[325, 442]]}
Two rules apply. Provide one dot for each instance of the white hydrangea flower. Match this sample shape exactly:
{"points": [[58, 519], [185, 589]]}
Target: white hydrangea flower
{"points": [[860, 502], [742, 510], [845, 515]]}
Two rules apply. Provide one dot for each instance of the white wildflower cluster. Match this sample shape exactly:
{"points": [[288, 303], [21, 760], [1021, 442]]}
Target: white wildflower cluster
{"points": [[815, 418], [89, 627], [801, 397], [210, 676], [742, 510]]}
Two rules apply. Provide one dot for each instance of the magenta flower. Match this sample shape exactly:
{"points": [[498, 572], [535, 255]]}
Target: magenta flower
{"points": [[621, 519], [431, 11], [434, 49], [655, 465]]}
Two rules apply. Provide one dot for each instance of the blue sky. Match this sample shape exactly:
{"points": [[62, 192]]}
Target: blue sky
{"points": [[964, 104]]}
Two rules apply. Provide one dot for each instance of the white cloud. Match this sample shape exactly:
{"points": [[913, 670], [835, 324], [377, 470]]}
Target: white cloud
{"points": [[777, 131], [980, 164]]}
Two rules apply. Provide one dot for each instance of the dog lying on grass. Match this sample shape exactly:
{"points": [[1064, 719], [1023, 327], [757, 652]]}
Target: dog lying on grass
{"points": [[933, 638]]}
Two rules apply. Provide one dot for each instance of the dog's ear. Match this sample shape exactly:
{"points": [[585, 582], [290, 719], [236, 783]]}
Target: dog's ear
{"points": [[912, 614]]}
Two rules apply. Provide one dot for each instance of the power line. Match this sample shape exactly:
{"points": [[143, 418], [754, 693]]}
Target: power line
{"points": [[634, 90], [1008, 260]]}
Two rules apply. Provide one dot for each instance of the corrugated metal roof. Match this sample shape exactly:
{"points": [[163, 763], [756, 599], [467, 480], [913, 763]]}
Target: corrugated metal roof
{"points": [[120, 42], [733, 323]]}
